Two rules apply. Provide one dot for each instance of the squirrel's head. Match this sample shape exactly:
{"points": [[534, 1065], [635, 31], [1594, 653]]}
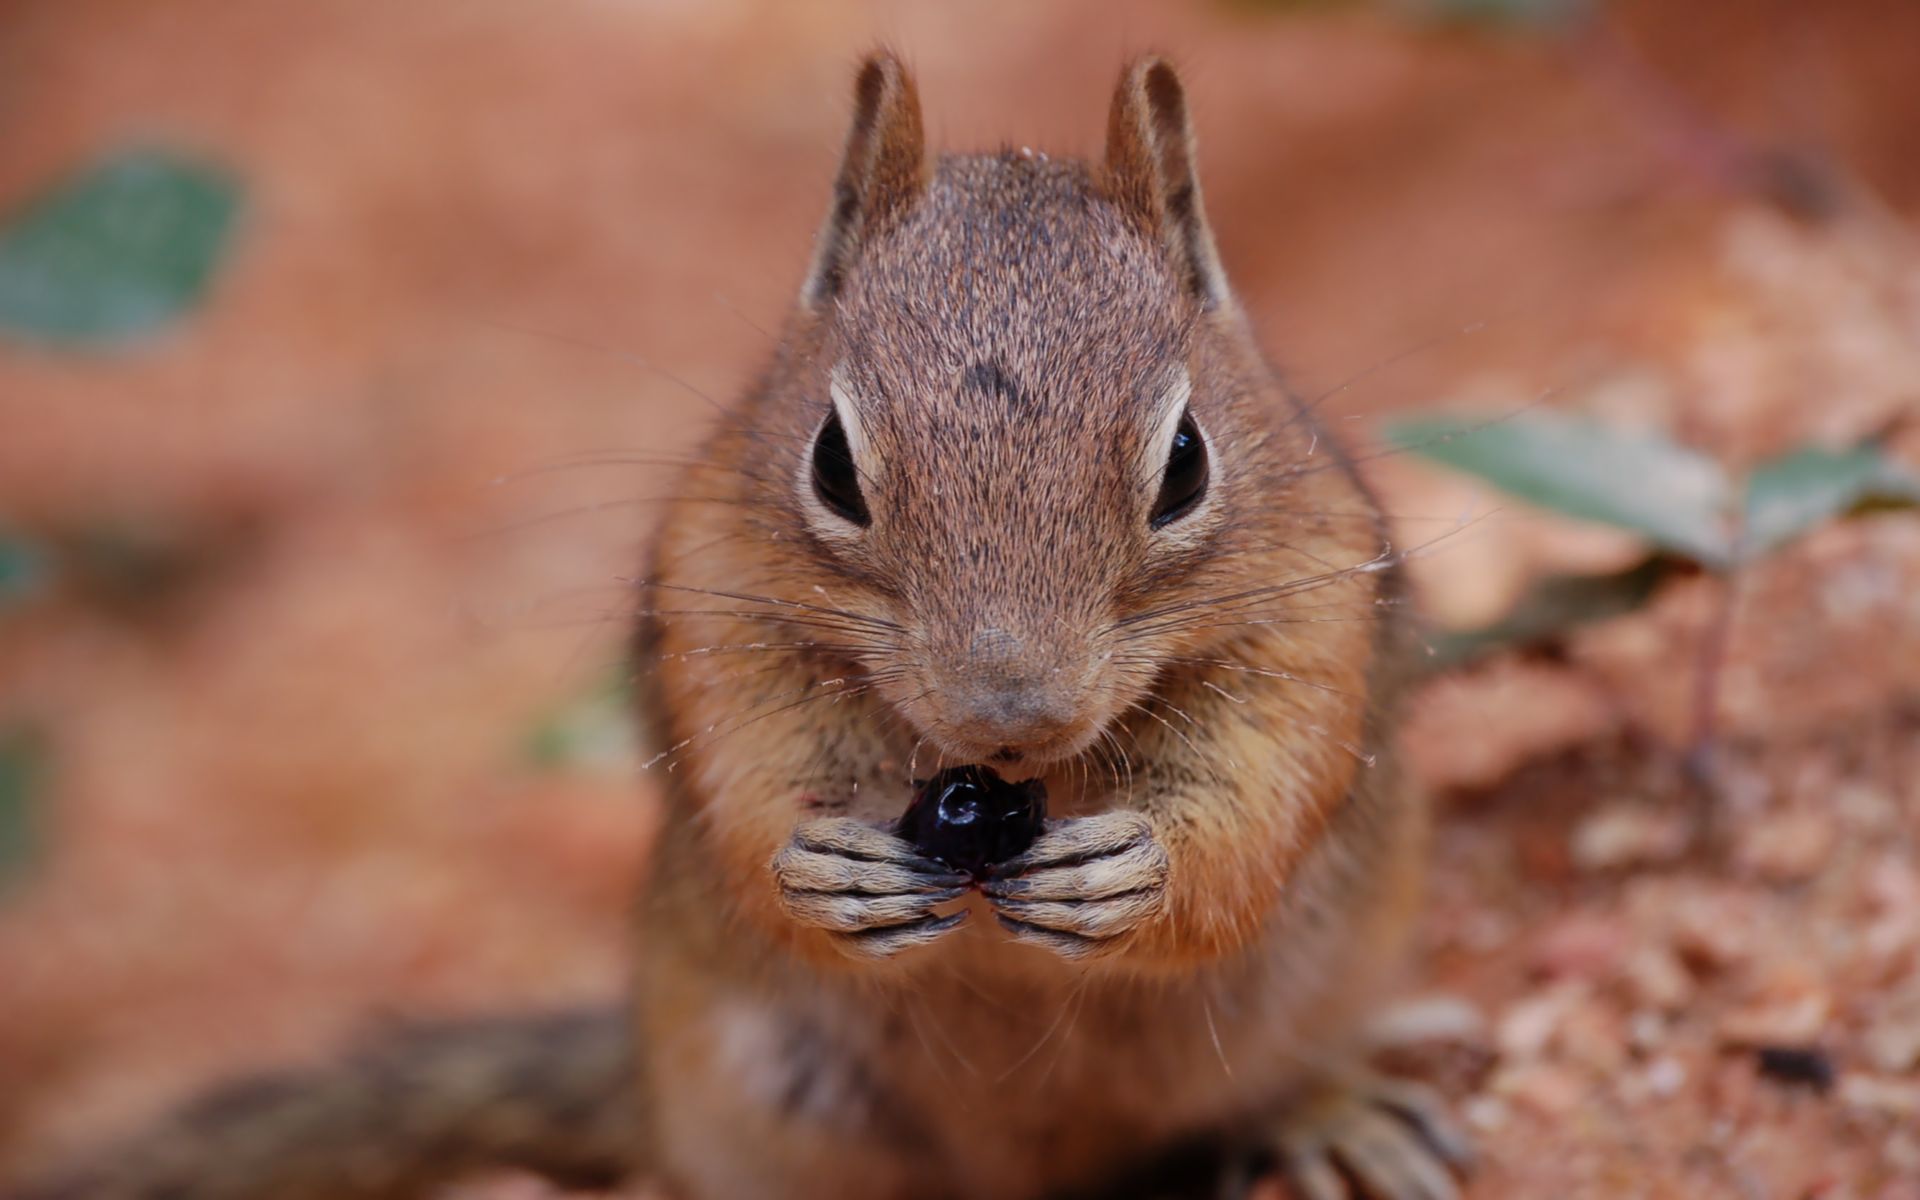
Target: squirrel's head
{"points": [[1017, 389]]}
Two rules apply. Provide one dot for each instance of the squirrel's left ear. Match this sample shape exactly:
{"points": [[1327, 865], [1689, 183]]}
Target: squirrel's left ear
{"points": [[1150, 172], [882, 172]]}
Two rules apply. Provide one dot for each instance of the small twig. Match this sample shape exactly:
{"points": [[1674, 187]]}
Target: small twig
{"points": [[1702, 754]]}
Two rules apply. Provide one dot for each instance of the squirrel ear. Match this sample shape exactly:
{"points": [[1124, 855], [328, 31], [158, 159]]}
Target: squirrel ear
{"points": [[1150, 172], [882, 171]]}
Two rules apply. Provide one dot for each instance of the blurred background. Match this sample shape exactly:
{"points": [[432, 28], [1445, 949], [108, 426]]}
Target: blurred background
{"points": [[316, 322]]}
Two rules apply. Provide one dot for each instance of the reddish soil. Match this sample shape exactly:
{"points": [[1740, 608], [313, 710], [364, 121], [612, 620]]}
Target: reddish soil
{"points": [[292, 790]]}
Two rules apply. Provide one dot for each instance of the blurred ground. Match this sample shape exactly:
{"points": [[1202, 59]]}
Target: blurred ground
{"points": [[294, 789]]}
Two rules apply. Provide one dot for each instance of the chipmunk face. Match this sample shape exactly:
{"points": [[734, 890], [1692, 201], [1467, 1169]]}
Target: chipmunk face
{"points": [[1013, 391]]}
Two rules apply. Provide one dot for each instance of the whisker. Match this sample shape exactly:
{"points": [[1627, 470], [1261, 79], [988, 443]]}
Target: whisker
{"points": [[1387, 558], [1365, 758], [1211, 686], [906, 1003], [776, 601], [867, 634], [1079, 1001], [1292, 586], [1213, 1031], [755, 647], [1539, 400], [1263, 622], [1263, 672], [1120, 751], [1048, 1033], [1141, 706], [1395, 359], [626, 356], [749, 322], [715, 731], [589, 459], [602, 506]]}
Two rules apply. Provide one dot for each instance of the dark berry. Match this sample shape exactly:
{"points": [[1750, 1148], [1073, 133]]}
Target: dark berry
{"points": [[971, 819]]}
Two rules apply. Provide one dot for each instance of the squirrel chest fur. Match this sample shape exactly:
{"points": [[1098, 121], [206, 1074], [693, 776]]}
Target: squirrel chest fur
{"points": [[1017, 492]]}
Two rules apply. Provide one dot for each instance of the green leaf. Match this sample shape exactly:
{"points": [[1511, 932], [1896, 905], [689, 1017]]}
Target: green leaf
{"points": [[1792, 494], [1555, 605], [592, 730], [1550, 13], [22, 768], [1676, 499], [115, 251], [23, 569]]}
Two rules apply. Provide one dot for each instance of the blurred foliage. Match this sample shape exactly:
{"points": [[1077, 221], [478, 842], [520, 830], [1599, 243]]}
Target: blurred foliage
{"points": [[108, 254], [594, 729], [115, 251], [1792, 494], [1670, 495], [1542, 13], [1557, 604], [143, 570], [22, 771], [147, 568], [23, 569], [1684, 505]]}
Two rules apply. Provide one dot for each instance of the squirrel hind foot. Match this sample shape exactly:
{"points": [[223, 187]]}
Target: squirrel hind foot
{"points": [[1370, 1136]]}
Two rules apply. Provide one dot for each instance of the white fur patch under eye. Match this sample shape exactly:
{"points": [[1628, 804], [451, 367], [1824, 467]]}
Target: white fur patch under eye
{"points": [[840, 391], [1168, 409]]}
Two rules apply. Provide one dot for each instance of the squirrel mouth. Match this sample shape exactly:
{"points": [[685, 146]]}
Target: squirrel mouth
{"points": [[1017, 765], [1018, 760]]}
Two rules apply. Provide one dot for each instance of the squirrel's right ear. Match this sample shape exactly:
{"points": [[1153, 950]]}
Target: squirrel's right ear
{"points": [[1151, 172], [881, 173]]}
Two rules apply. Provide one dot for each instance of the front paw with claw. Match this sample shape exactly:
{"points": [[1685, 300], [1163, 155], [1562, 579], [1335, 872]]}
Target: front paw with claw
{"points": [[1084, 884], [871, 890]]}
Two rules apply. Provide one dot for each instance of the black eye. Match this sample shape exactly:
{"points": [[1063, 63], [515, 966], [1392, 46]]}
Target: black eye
{"points": [[835, 480], [1185, 480]]}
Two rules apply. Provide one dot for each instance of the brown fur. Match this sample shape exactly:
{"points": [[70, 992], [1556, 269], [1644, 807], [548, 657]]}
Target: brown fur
{"points": [[1186, 953]]}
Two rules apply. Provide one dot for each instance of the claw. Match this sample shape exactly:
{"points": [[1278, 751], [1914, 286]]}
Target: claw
{"points": [[1141, 865], [889, 940], [1094, 917], [849, 838], [861, 913], [1421, 1107], [1078, 840], [1085, 883], [1066, 945], [865, 886], [1392, 1138], [801, 869]]}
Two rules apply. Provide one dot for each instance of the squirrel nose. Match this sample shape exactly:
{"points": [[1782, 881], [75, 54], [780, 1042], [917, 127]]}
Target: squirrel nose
{"points": [[1004, 694]]}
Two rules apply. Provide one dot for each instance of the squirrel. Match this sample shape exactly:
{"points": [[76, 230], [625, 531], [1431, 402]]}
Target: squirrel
{"points": [[1018, 488]]}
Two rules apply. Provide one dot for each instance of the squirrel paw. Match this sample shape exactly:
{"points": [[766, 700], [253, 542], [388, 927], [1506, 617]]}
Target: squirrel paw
{"points": [[870, 889], [1391, 1137], [1083, 884]]}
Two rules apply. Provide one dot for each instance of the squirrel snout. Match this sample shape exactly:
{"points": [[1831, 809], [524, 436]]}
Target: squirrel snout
{"points": [[1004, 695], [1019, 717]]}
